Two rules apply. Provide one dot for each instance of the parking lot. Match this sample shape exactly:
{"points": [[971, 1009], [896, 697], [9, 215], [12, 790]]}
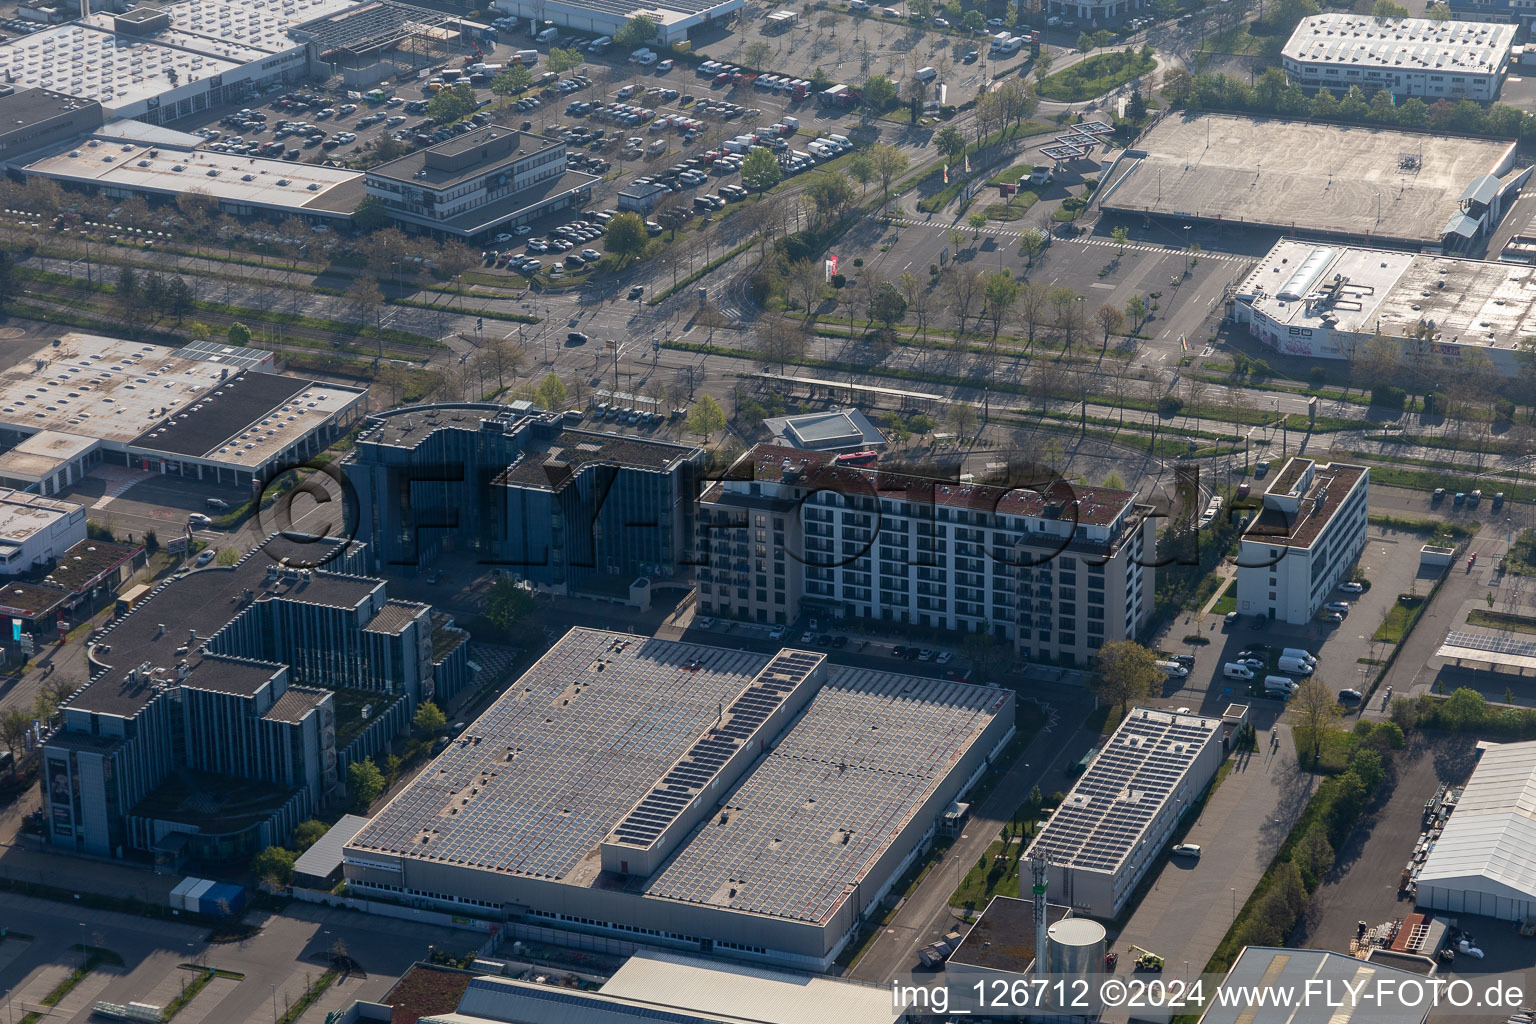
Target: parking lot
{"points": [[849, 46]]}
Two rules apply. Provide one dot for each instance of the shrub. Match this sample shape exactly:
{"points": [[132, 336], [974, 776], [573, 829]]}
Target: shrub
{"points": [[1317, 376], [1389, 397], [1170, 405], [1503, 411], [1434, 403]]}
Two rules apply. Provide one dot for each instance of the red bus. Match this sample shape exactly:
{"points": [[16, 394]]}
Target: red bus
{"points": [[865, 458]]}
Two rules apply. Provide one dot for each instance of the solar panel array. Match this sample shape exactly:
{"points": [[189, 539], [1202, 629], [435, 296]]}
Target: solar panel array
{"points": [[1104, 815], [538, 780], [1492, 644], [659, 808], [845, 780]]}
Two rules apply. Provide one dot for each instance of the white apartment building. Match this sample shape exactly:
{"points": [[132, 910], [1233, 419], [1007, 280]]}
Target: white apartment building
{"points": [[1405, 56], [1059, 573], [489, 178], [1299, 547]]}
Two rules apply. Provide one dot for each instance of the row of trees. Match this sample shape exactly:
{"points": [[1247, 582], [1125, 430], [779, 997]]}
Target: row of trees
{"points": [[1273, 94]]}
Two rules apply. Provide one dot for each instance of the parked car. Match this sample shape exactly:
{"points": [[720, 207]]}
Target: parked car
{"points": [[1352, 587], [1186, 850], [1351, 695]]}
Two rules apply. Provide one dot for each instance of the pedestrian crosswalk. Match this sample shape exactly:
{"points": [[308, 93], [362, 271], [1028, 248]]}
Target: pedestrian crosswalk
{"points": [[1144, 247]]}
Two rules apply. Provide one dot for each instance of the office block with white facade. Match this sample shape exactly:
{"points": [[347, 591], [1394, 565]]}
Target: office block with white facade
{"points": [[1115, 821], [1405, 56], [1300, 546], [35, 530], [491, 178], [1058, 572]]}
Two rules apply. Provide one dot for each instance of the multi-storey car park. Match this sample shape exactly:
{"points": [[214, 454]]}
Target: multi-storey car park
{"points": [[1372, 185], [191, 412], [1405, 56], [1056, 571], [1309, 530], [1112, 826], [684, 796], [224, 708], [562, 508]]}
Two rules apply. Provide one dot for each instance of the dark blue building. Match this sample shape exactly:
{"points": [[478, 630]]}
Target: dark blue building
{"points": [[564, 508]]}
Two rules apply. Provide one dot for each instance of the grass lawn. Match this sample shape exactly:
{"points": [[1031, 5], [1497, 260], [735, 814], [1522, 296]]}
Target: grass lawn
{"points": [[1399, 620], [1096, 76], [993, 876], [1011, 175], [1521, 558], [1502, 620], [1013, 209], [1228, 602]]}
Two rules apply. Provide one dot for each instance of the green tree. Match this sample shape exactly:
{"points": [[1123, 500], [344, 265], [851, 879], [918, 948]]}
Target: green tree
{"points": [[950, 142], [452, 103], [1439, 12], [879, 94], [13, 732], [962, 417], [977, 221], [227, 556], [1464, 709], [889, 164], [179, 300], [1031, 244], [887, 305], [921, 8], [1125, 671], [239, 334], [761, 171], [637, 31], [551, 393], [1136, 309], [1120, 237], [365, 780], [1315, 708], [862, 170], [274, 865], [626, 236], [509, 604], [706, 417], [308, 833], [830, 194], [1388, 9], [974, 21], [514, 80], [999, 294], [1313, 854], [560, 61], [372, 214], [429, 717]]}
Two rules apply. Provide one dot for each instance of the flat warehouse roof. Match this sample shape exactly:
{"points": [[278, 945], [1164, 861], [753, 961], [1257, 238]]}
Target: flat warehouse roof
{"points": [[277, 184], [1487, 303], [1401, 44], [1336, 179], [147, 397], [535, 784], [92, 64], [23, 515], [1102, 819]]}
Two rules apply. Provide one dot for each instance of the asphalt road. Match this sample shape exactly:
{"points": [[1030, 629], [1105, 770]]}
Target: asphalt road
{"points": [[926, 916]]}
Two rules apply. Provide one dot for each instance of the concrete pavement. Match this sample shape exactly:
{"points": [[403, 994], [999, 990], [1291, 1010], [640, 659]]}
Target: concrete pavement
{"points": [[1191, 904]]}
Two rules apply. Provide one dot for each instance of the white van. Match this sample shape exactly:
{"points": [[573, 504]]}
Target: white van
{"points": [[858, 5], [1279, 685], [1299, 654], [549, 35], [599, 44], [1236, 670], [1172, 669], [841, 140], [925, 74]]}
